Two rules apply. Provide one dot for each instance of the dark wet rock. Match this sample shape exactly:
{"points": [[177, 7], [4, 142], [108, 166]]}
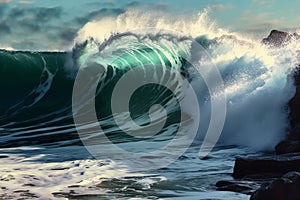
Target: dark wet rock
{"points": [[284, 188], [266, 167], [292, 142], [279, 38], [240, 186], [294, 133], [294, 104], [288, 146]]}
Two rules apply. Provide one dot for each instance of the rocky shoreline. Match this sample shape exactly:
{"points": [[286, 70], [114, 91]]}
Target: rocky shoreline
{"points": [[275, 176]]}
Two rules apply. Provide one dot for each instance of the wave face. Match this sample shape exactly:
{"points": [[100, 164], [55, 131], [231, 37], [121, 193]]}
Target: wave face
{"points": [[40, 110], [36, 101], [35, 105]]}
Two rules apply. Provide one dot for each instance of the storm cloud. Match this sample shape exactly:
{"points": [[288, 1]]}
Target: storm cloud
{"points": [[96, 14], [4, 28], [38, 14], [45, 28]]}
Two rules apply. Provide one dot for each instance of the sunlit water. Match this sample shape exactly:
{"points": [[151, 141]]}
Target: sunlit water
{"points": [[70, 172]]}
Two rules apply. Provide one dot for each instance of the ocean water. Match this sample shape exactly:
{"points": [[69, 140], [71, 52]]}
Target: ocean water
{"points": [[46, 152], [43, 173]]}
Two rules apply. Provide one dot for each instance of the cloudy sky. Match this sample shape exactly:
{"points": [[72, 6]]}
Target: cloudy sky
{"points": [[53, 24]]}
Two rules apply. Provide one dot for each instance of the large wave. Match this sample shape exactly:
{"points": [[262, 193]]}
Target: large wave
{"points": [[37, 104]]}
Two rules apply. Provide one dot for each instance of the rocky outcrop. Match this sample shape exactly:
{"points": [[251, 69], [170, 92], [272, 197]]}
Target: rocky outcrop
{"points": [[250, 173], [266, 167], [279, 38], [288, 146], [294, 106], [285, 188], [292, 142], [240, 186]]}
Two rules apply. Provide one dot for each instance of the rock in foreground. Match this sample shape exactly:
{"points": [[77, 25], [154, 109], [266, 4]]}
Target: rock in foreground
{"points": [[285, 188], [265, 167], [241, 186]]}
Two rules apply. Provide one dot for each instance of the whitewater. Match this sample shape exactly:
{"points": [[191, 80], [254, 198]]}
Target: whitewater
{"points": [[44, 157]]}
